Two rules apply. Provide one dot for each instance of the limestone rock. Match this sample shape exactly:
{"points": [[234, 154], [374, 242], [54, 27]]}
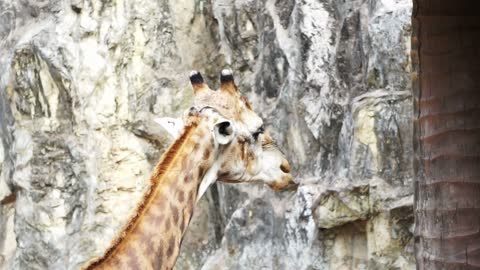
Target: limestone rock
{"points": [[81, 81]]}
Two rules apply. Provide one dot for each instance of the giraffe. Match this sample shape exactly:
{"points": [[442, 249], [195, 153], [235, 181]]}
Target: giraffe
{"points": [[219, 138]]}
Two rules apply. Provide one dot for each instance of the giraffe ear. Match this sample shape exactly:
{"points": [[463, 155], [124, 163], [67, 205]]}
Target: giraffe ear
{"points": [[208, 179], [224, 132], [172, 125]]}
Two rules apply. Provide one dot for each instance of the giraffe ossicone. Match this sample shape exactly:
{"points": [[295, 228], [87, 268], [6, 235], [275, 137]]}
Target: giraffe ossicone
{"points": [[220, 139]]}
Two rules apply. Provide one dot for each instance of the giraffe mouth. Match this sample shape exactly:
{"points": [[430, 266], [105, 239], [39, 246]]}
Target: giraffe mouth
{"points": [[289, 187], [229, 181]]}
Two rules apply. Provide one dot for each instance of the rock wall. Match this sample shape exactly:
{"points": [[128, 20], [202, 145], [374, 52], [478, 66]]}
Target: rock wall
{"points": [[81, 80]]}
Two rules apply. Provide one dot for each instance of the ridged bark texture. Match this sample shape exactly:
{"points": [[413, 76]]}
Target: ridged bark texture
{"points": [[446, 85]]}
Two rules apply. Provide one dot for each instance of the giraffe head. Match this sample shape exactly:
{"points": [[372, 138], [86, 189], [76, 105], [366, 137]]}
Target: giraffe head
{"points": [[245, 152]]}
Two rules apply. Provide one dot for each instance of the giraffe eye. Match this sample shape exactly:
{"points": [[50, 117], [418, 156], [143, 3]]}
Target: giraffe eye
{"points": [[259, 131]]}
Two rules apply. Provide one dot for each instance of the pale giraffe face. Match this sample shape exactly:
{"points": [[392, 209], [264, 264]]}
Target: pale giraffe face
{"points": [[244, 151]]}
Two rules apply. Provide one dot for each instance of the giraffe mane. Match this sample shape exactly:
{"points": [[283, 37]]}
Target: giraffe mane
{"points": [[160, 169]]}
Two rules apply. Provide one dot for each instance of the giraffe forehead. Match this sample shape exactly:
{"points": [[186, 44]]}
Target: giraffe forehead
{"points": [[219, 105], [232, 106], [252, 121]]}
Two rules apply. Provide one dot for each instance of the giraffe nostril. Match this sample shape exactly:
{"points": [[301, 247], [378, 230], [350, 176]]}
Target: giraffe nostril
{"points": [[285, 167]]}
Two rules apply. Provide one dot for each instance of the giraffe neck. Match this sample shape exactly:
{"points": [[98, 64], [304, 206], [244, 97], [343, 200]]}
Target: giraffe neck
{"points": [[153, 236]]}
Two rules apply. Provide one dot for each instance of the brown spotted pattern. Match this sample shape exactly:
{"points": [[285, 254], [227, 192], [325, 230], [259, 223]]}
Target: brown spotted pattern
{"points": [[153, 240]]}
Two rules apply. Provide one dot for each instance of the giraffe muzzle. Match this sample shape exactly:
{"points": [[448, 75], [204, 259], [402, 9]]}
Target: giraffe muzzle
{"points": [[291, 186]]}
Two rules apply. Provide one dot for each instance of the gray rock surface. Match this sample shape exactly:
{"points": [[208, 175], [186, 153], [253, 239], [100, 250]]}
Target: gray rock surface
{"points": [[81, 80]]}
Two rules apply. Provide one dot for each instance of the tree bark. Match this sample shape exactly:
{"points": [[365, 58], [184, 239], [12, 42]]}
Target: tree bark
{"points": [[446, 62]]}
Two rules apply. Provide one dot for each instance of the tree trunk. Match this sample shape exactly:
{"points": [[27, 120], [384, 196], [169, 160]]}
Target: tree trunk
{"points": [[446, 60]]}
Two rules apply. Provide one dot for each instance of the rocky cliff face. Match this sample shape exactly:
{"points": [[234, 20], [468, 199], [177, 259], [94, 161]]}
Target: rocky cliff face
{"points": [[81, 81]]}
